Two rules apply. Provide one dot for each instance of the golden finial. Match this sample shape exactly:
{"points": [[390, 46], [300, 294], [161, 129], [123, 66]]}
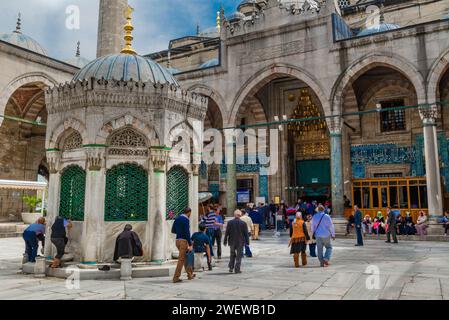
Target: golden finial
{"points": [[218, 21], [128, 49]]}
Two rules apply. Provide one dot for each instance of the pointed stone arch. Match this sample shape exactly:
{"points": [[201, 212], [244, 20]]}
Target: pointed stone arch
{"points": [[439, 67], [369, 62], [267, 74], [35, 77], [131, 121], [60, 131]]}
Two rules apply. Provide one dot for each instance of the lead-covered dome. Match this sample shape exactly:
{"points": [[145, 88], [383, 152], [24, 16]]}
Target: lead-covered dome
{"points": [[125, 67], [19, 39]]}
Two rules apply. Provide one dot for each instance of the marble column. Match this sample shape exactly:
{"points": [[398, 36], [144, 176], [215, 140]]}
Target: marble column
{"points": [[231, 173], [335, 128], [429, 116], [159, 156], [53, 159], [194, 198], [93, 226]]}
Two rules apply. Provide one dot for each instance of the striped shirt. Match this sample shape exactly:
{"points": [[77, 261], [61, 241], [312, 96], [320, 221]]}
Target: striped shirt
{"points": [[209, 221]]}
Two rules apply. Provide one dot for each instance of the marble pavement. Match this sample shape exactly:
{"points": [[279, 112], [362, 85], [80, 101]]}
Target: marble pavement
{"points": [[409, 270]]}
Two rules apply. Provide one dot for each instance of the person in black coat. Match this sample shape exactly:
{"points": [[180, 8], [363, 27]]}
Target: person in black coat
{"points": [[128, 245], [358, 225], [237, 237]]}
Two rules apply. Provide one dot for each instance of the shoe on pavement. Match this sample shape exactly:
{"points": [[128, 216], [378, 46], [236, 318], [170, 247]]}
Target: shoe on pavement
{"points": [[177, 281], [238, 271], [231, 271], [387, 241]]}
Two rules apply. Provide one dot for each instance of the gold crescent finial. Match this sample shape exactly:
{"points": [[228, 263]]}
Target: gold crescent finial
{"points": [[128, 49], [218, 21]]}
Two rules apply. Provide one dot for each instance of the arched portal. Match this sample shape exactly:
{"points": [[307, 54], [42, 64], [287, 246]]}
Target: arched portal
{"points": [[383, 144], [23, 143], [274, 94]]}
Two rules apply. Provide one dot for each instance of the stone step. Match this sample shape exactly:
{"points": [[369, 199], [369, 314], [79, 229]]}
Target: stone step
{"points": [[12, 230], [383, 237], [95, 274]]}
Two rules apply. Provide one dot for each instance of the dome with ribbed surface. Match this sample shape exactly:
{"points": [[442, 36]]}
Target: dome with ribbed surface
{"points": [[125, 67], [23, 41], [78, 61], [236, 16], [378, 28]]}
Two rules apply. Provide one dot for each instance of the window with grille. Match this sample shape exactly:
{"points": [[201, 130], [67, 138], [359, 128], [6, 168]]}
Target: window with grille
{"points": [[73, 188], [73, 141], [344, 3], [126, 193], [177, 191], [128, 142], [392, 120]]}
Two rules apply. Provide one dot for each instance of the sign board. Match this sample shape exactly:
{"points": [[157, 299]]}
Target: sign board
{"points": [[314, 180], [243, 196]]}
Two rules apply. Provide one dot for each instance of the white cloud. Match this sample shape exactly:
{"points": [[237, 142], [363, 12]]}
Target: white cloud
{"points": [[156, 22]]}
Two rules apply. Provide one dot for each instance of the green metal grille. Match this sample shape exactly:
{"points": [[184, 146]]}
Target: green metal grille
{"points": [[177, 192], [126, 193], [73, 189]]}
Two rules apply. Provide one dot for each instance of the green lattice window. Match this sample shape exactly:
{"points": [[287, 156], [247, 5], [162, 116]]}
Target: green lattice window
{"points": [[126, 193], [73, 189], [177, 191]]}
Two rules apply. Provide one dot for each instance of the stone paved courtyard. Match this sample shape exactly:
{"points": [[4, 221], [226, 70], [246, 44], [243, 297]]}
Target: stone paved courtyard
{"points": [[410, 270]]}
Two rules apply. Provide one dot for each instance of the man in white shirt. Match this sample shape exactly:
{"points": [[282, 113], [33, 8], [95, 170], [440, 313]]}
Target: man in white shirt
{"points": [[245, 218]]}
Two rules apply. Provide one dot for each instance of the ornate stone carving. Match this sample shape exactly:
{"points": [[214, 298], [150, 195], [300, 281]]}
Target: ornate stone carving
{"points": [[116, 93], [159, 157], [73, 141], [95, 158], [128, 142], [53, 160], [335, 125], [429, 114]]}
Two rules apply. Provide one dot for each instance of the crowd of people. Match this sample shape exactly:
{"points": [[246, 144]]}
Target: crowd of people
{"points": [[309, 223]]}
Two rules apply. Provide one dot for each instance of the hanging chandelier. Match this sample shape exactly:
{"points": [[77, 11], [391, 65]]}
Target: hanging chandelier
{"points": [[307, 109]]}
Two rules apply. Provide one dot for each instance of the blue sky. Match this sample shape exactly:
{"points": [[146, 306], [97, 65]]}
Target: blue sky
{"points": [[155, 22]]}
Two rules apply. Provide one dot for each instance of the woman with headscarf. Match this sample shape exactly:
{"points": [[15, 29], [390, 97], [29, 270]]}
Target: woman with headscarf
{"points": [[421, 224], [298, 239], [128, 244], [59, 239], [409, 226]]}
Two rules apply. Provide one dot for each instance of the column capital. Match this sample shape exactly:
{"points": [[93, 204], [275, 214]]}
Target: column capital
{"points": [[159, 157], [195, 169], [429, 114], [54, 160], [335, 125], [95, 157]]}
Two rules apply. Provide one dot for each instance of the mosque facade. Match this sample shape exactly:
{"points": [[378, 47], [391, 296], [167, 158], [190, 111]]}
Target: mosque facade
{"points": [[371, 78]]}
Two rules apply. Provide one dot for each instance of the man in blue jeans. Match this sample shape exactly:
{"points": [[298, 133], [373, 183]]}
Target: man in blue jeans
{"points": [[323, 230], [31, 237]]}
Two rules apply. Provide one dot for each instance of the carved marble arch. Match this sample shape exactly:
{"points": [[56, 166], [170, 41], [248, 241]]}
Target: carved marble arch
{"points": [[70, 140], [127, 141]]}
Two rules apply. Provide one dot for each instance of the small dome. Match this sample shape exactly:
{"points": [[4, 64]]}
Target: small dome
{"points": [[378, 28], [173, 70], [236, 16], [247, 3], [210, 63], [126, 66], [18, 39], [212, 32], [78, 61]]}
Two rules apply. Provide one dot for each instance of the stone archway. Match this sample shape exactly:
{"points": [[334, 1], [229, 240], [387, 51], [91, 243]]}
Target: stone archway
{"points": [[437, 71], [7, 92], [123, 121], [264, 76], [370, 61]]}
